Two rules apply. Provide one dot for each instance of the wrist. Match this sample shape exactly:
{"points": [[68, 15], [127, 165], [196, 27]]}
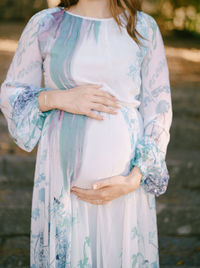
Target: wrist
{"points": [[60, 99], [131, 179], [135, 172], [135, 176], [54, 98]]}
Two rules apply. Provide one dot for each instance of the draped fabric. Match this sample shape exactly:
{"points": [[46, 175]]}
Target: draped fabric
{"points": [[72, 50]]}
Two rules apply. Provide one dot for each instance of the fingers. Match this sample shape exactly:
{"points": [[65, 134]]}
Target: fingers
{"points": [[94, 196], [85, 193], [94, 202], [104, 182], [105, 94], [89, 193], [105, 101], [114, 182], [102, 108], [101, 184], [92, 86], [102, 93], [100, 101], [94, 115]]}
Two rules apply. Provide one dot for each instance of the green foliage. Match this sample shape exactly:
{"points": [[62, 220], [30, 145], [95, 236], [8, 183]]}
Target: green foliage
{"points": [[183, 15], [20, 9]]}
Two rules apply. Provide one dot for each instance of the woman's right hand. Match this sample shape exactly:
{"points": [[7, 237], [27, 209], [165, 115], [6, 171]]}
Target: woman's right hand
{"points": [[82, 100]]}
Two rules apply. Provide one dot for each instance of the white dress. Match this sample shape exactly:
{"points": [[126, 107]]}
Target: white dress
{"points": [[76, 150]]}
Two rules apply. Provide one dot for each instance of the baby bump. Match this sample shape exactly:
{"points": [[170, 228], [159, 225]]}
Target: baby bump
{"points": [[108, 147]]}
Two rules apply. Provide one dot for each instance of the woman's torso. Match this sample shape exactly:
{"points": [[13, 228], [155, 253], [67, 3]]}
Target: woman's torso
{"points": [[78, 50]]}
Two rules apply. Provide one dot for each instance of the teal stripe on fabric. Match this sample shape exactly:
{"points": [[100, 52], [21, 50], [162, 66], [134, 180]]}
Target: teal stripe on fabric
{"points": [[71, 145], [62, 52], [73, 126], [96, 29]]}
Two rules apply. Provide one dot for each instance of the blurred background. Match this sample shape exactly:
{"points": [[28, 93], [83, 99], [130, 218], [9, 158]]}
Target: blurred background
{"points": [[178, 209]]}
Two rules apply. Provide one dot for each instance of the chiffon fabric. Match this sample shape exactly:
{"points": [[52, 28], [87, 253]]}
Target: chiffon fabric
{"points": [[72, 50]]}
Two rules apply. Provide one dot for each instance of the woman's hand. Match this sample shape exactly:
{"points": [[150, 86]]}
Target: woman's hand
{"points": [[82, 100], [103, 191]]}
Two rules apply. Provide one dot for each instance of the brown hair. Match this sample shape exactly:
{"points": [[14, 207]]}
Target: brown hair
{"points": [[132, 6]]}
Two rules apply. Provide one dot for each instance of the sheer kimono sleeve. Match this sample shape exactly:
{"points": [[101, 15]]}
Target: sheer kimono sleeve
{"points": [[156, 110], [19, 91]]}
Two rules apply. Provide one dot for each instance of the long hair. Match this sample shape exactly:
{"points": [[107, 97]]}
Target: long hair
{"points": [[132, 6]]}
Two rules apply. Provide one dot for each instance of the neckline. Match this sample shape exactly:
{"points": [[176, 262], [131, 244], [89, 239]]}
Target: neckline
{"points": [[90, 18]]}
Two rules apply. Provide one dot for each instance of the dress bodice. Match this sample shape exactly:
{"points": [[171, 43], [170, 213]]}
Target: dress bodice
{"points": [[92, 51]]}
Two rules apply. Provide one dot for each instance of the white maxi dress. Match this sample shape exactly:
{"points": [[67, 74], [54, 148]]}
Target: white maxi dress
{"points": [[72, 50]]}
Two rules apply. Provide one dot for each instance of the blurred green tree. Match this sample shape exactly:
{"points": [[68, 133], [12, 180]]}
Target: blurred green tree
{"points": [[20, 9], [182, 15]]}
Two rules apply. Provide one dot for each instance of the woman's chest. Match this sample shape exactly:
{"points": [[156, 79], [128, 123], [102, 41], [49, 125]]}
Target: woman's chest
{"points": [[95, 53]]}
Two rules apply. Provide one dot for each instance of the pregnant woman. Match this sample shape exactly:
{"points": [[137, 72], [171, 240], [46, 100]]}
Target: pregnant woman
{"points": [[101, 122]]}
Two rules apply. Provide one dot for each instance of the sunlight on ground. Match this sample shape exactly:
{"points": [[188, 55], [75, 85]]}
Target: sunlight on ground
{"points": [[186, 54], [7, 45]]}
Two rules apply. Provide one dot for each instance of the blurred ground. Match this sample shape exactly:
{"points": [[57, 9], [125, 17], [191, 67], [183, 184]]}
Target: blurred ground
{"points": [[177, 210]]}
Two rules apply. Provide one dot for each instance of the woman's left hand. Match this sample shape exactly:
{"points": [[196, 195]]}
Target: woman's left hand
{"points": [[103, 191]]}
